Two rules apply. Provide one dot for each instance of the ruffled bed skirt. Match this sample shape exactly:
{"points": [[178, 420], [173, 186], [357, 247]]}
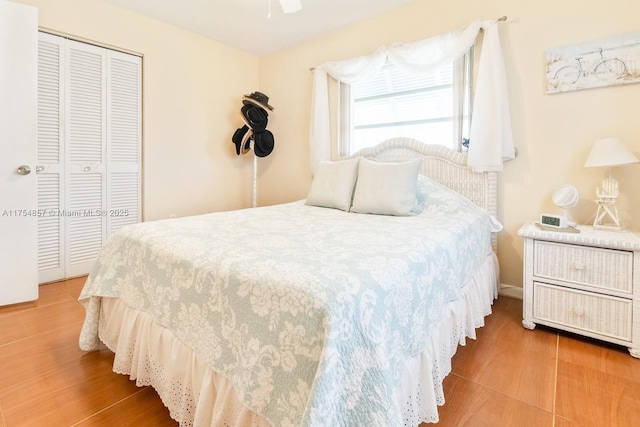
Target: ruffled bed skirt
{"points": [[197, 396]]}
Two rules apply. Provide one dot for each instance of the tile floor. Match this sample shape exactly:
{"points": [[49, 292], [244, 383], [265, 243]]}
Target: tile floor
{"points": [[511, 376]]}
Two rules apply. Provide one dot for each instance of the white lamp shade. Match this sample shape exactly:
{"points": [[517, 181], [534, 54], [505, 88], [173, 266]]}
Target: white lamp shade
{"points": [[609, 152]]}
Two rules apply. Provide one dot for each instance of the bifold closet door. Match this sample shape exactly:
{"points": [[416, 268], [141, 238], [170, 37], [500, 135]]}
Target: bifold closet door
{"points": [[124, 133], [50, 158], [85, 155], [95, 184]]}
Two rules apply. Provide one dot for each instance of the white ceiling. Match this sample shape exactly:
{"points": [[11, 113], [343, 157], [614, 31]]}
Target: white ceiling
{"points": [[244, 24]]}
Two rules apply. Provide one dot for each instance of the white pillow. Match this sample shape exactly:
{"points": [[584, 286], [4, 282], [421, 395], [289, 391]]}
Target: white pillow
{"points": [[333, 183], [386, 188]]}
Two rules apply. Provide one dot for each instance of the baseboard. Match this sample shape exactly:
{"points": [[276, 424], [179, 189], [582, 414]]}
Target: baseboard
{"points": [[510, 291]]}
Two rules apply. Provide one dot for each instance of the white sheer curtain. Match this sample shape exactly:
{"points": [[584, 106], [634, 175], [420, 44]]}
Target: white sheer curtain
{"points": [[491, 139]]}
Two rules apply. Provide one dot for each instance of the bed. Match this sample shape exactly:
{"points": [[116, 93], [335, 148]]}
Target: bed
{"points": [[297, 314]]}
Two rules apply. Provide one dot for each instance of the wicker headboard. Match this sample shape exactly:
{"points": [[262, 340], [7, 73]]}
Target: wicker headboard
{"points": [[443, 165]]}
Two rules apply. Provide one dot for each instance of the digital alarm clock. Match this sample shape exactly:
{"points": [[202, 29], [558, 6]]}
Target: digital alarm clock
{"points": [[556, 221]]}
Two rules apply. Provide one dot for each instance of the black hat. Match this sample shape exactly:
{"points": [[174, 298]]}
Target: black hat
{"points": [[238, 138], [263, 143], [259, 99], [255, 117]]}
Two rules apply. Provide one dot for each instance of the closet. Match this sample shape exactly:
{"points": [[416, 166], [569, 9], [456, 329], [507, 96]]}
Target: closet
{"points": [[88, 151]]}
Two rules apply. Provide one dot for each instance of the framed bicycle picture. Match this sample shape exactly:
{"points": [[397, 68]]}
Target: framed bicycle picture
{"points": [[604, 62]]}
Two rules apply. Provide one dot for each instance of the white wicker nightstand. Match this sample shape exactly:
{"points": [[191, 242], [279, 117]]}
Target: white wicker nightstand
{"points": [[587, 283]]}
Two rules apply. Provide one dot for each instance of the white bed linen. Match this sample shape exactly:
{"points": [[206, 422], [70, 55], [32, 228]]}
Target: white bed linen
{"points": [[198, 396]]}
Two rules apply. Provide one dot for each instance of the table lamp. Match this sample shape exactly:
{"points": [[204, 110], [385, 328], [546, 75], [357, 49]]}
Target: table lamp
{"points": [[608, 152]]}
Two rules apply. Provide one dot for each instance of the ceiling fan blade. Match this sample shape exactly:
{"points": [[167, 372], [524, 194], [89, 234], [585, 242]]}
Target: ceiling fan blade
{"points": [[290, 6]]}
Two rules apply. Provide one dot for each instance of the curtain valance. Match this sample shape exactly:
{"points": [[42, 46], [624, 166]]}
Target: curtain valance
{"points": [[491, 137]]}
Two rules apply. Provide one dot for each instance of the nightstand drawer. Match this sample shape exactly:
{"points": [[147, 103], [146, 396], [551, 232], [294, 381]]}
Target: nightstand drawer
{"points": [[598, 314], [599, 268]]}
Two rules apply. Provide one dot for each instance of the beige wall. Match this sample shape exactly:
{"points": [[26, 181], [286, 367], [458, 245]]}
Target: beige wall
{"points": [[553, 133], [191, 102]]}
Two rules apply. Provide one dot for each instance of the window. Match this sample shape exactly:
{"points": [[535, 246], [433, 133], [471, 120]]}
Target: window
{"points": [[433, 107]]}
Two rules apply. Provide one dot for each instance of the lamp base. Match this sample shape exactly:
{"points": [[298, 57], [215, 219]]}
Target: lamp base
{"points": [[607, 207]]}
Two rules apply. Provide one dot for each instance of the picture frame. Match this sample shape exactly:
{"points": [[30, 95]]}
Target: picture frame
{"points": [[604, 62]]}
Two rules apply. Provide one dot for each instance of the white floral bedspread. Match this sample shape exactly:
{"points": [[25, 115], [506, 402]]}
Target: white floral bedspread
{"points": [[310, 312]]}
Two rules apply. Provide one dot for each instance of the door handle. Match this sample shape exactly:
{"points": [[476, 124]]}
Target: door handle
{"points": [[24, 170]]}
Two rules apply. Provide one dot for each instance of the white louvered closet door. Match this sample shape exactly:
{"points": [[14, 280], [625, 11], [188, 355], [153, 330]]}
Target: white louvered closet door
{"points": [[124, 98], [96, 182], [50, 158], [85, 155]]}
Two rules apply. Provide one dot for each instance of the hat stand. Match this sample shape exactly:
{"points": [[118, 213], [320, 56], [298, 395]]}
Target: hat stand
{"points": [[254, 202]]}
